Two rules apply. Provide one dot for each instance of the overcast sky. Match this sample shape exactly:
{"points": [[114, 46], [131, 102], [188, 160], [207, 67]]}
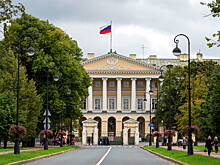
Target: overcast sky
{"points": [[152, 23]]}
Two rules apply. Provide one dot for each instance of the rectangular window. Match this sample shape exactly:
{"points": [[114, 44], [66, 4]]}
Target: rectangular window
{"points": [[125, 84], [154, 103], [140, 103], [111, 84], [126, 103], [97, 84], [111, 103], [140, 84], [84, 103], [97, 103], [154, 84]]}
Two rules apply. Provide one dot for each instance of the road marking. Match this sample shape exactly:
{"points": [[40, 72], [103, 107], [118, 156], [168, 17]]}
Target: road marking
{"points": [[104, 156]]}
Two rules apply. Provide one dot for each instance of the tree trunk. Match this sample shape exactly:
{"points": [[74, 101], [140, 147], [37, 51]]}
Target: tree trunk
{"points": [[0, 142], [5, 142]]}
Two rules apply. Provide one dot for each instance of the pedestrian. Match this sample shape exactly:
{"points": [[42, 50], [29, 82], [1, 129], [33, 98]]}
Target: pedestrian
{"points": [[184, 143], [208, 144], [73, 141], [164, 141], [216, 142], [104, 139], [89, 141], [67, 141], [107, 141], [41, 141]]}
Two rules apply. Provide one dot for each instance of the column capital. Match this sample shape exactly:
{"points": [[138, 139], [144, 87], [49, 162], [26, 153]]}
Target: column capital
{"points": [[104, 78], [148, 79], [134, 79], [118, 78]]}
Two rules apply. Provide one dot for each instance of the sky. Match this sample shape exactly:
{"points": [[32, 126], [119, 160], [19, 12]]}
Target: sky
{"points": [[152, 23]]}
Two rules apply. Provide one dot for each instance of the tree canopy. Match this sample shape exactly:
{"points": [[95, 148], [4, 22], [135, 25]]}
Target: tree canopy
{"points": [[52, 47]]}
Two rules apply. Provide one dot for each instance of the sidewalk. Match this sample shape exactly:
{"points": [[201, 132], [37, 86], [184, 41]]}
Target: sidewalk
{"points": [[213, 154]]}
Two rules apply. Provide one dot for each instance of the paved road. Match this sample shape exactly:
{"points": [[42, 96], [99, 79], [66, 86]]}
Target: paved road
{"points": [[104, 155]]}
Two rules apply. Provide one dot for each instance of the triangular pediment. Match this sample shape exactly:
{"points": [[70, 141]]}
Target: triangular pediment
{"points": [[131, 121], [116, 62], [90, 121]]}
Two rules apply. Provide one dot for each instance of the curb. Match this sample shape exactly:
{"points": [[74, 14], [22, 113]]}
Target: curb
{"points": [[41, 157], [165, 157]]}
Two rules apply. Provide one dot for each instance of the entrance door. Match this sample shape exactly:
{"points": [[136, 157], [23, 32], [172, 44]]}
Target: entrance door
{"points": [[130, 138]]}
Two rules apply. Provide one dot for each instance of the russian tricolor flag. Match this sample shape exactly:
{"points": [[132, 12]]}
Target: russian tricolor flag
{"points": [[105, 29]]}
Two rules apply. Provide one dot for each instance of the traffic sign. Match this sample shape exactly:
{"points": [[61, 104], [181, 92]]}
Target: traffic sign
{"points": [[47, 127], [45, 120], [150, 125], [45, 113]]}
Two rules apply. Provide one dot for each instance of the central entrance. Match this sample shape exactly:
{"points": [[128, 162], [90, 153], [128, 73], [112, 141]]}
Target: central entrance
{"points": [[111, 128]]}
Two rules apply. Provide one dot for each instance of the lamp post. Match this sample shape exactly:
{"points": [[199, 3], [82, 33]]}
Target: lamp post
{"points": [[169, 137], [30, 52], [177, 52], [71, 129], [161, 78], [145, 100], [56, 78], [163, 121], [68, 92]]}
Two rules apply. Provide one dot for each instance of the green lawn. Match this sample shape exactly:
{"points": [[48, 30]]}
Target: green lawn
{"points": [[181, 156], [9, 158]]}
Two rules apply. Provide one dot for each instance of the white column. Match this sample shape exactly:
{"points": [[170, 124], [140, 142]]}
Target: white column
{"points": [[147, 93], [137, 136], [90, 98], [96, 136], [104, 94], [118, 93], [84, 136], [133, 94], [125, 137]]}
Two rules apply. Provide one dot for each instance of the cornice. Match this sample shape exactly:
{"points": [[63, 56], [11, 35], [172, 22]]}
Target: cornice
{"points": [[121, 72]]}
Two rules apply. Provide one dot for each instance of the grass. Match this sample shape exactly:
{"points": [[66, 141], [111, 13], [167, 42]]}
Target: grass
{"points": [[11, 157], [181, 156]]}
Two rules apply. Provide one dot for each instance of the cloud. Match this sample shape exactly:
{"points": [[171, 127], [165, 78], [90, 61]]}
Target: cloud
{"points": [[152, 23]]}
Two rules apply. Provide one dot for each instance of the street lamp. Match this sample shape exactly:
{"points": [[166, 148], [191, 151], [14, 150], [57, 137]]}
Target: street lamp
{"points": [[68, 92], [56, 78], [169, 137], [176, 52], [30, 52], [145, 100], [163, 121], [161, 78]]}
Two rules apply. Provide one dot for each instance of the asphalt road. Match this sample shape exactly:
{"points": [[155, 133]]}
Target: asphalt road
{"points": [[104, 155]]}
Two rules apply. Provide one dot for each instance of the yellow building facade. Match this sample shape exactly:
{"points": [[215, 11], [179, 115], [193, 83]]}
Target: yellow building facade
{"points": [[115, 107]]}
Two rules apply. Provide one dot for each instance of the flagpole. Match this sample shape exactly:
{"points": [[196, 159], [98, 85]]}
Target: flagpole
{"points": [[111, 38]]}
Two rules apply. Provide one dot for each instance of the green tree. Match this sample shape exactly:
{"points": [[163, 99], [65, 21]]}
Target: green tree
{"points": [[30, 102], [215, 12], [53, 47], [209, 116]]}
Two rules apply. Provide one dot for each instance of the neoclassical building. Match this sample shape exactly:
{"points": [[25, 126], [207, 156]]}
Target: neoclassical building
{"points": [[115, 107]]}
